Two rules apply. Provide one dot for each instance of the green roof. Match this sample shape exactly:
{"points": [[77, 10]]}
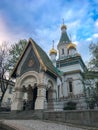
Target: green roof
{"points": [[44, 58], [64, 39], [47, 62]]}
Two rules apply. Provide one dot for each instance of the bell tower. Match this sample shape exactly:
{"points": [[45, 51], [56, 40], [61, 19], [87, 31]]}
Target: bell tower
{"points": [[63, 42]]}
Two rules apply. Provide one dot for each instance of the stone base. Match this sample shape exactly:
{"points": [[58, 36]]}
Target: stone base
{"points": [[39, 104], [17, 106]]}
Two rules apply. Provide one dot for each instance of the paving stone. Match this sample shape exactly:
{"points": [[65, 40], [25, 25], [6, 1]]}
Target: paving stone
{"points": [[39, 125]]}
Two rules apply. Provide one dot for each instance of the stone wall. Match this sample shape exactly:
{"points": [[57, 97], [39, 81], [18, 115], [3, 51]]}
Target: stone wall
{"points": [[84, 117]]}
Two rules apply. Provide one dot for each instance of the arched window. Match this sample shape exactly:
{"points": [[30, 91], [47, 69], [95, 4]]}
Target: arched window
{"points": [[70, 87], [62, 51], [58, 91]]}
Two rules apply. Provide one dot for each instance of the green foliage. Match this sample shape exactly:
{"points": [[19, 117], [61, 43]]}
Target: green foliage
{"points": [[94, 59], [15, 52], [70, 106], [91, 96]]}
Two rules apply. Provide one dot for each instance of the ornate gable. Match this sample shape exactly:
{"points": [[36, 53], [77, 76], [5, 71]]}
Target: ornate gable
{"points": [[31, 62], [31, 59]]}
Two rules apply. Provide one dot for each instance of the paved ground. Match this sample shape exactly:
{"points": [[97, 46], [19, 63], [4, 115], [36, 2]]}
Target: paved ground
{"points": [[39, 125]]}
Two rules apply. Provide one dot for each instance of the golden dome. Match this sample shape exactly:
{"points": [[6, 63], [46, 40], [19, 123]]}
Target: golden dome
{"points": [[53, 51], [71, 45], [63, 27]]}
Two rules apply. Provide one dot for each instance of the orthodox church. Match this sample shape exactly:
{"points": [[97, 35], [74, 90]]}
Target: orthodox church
{"points": [[48, 83]]}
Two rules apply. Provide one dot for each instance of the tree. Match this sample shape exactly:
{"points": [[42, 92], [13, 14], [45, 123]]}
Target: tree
{"points": [[15, 52], [3, 70], [90, 84], [8, 58], [94, 59]]}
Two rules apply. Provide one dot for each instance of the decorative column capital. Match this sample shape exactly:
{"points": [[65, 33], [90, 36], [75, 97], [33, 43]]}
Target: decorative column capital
{"points": [[41, 85]]}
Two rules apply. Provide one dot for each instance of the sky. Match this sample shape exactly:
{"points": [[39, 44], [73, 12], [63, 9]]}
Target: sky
{"points": [[42, 20]]}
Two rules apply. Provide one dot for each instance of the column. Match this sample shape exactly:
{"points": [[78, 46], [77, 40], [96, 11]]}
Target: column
{"points": [[41, 97], [17, 103]]}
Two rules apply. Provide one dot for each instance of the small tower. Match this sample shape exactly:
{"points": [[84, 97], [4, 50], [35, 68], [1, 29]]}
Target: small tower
{"points": [[63, 42], [53, 54]]}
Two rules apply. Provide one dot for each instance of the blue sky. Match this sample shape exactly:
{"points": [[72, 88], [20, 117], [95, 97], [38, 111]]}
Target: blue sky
{"points": [[42, 19]]}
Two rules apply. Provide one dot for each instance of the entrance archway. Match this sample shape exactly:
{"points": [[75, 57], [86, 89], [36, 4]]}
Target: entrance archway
{"points": [[29, 97], [28, 82]]}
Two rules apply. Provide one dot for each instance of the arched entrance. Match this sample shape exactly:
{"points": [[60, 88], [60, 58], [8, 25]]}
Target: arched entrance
{"points": [[28, 84], [29, 97]]}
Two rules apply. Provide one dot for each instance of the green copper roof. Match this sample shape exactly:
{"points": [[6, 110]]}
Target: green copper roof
{"points": [[47, 61], [50, 68], [64, 39]]}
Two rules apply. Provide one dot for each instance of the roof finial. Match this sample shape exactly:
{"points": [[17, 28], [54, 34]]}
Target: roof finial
{"points": [[63, 21], [63, 25], [53, 44]]}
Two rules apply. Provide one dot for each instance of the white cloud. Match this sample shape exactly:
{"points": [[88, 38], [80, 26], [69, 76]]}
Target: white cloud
{"points": [[76, 42], [89, 39], [96, 23], [8, 35], [95, 35]]}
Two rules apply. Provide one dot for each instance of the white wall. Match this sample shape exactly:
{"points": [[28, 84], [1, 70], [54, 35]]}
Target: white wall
{"points": [[71, 68], [77, 84]]}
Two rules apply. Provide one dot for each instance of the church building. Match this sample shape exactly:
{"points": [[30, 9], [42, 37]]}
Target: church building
{"points": [[41, 81]]}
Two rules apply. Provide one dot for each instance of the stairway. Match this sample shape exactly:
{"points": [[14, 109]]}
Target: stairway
{"points": [[22, 115]]}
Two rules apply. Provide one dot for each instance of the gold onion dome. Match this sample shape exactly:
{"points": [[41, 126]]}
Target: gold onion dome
{"points": [[63, 27], [53, 51], [71, 45]]}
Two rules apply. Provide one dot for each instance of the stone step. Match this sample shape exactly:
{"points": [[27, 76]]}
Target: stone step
{"points": [[22, 115]]}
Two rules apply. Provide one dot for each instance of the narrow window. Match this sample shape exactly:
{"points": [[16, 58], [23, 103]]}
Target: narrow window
{"points": [[70, 87], [58, 91], [62, 51]]}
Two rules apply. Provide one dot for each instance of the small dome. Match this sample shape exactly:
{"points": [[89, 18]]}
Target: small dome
{"points": [[53, 51], [71, 45], [63, 27]]}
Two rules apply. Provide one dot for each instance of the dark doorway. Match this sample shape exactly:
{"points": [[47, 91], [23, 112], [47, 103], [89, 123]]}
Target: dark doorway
{"points": [[34, 97], [49, 98], [47, 95], [31, 99]]}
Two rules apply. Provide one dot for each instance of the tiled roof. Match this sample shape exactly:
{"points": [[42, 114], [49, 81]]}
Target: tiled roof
{"points": [[64, 39], [47, 62], [43, 59]]}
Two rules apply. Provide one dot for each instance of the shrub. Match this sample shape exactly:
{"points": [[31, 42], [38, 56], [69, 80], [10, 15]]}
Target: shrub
{"points": [[70, 106]]}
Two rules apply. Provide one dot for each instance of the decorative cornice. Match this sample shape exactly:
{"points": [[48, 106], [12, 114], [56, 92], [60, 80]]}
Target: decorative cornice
{"points": [[72, 72]]}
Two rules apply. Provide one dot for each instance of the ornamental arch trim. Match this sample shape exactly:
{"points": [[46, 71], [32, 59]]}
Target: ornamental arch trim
{"points": [[32, 75]]}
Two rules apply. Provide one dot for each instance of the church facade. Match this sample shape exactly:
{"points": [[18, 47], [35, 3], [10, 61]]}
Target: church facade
{"points": [[41, 81]]}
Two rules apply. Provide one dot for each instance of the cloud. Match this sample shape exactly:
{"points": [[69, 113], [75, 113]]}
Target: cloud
{"points": [[96, 23], [89, 39], [95, 35], [42, 20], [8, 34]]}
